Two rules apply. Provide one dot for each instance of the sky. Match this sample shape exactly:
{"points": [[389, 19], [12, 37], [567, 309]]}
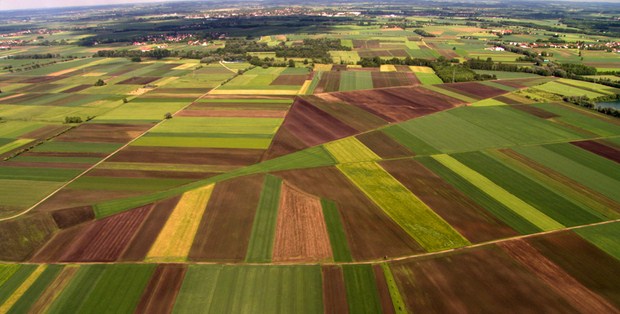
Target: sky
{"points": [[42, 4]]}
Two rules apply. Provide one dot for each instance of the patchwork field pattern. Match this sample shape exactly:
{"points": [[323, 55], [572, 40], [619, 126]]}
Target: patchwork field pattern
{"points": [[336, 190]]}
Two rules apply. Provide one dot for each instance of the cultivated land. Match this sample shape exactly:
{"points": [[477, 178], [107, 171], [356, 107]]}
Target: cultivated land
{"points": [[309, 163]]}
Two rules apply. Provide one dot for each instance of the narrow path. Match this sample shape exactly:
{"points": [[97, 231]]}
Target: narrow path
{"points": [[98, 163], [227, 68]]}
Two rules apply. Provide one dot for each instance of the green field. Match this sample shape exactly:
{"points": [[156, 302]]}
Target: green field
{"points": [[264, 228]]}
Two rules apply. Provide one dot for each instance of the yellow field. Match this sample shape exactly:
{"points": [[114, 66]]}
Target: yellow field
{"points": [[185, 66], [488, 102], [418, 69], [350, 149], [388, 68], [175, 239], [95, 74], [304, 87], [322, 67]]}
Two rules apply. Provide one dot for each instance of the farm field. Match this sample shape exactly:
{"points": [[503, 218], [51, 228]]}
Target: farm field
{"points": [[186, 157]]}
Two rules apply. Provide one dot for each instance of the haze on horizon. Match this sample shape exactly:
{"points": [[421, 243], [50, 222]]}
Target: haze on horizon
{"points": [[6, 5]]}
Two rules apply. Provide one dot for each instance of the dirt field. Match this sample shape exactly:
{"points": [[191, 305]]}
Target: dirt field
{"points": [[334, 291], [599, 149], [225, 228], [139, 80], [393, 79], [383, 145], [161, 291], [460, 283], [77, 88], [208, 156], [593, 268], [233, 113], [104, 133], [305, 126], [557, 279], [370, 233], [384, 291], [98, 241], [146, 235], [287, 79], [400, 103], [69, 217], [301, 233], [535, 111]]}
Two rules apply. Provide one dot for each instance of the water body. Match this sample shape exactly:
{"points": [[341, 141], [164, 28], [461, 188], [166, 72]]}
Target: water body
{"points": [[611, 104]]}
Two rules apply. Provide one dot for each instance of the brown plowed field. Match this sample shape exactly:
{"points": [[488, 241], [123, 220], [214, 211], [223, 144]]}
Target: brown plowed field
{"points": [[149, 174], [393, 79], [167, 90], [400, 103], [474, 89], [288, 79], [225, 228], [467, 217], [37, 88], [384, 291], [557, 279], [64, 154], [314, 126], [77, 88], [233, 113], [126, 69], [284, 143], [45, 79], [104, 133], [370, 233], [535, 111], [508, 100], [238, 106], [146, 235], [593, 268], [353, 116], [373, 43], [45, 132], [516, 83], [139, 80], [383, 145], [58, 165], [199, 156], [161, 291], [334, 291], [74, 198], [70, 217], [330, 82], [461, 283], [23, 98], [301, 233], [66, 101], [99, 241], [599, 149]]}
